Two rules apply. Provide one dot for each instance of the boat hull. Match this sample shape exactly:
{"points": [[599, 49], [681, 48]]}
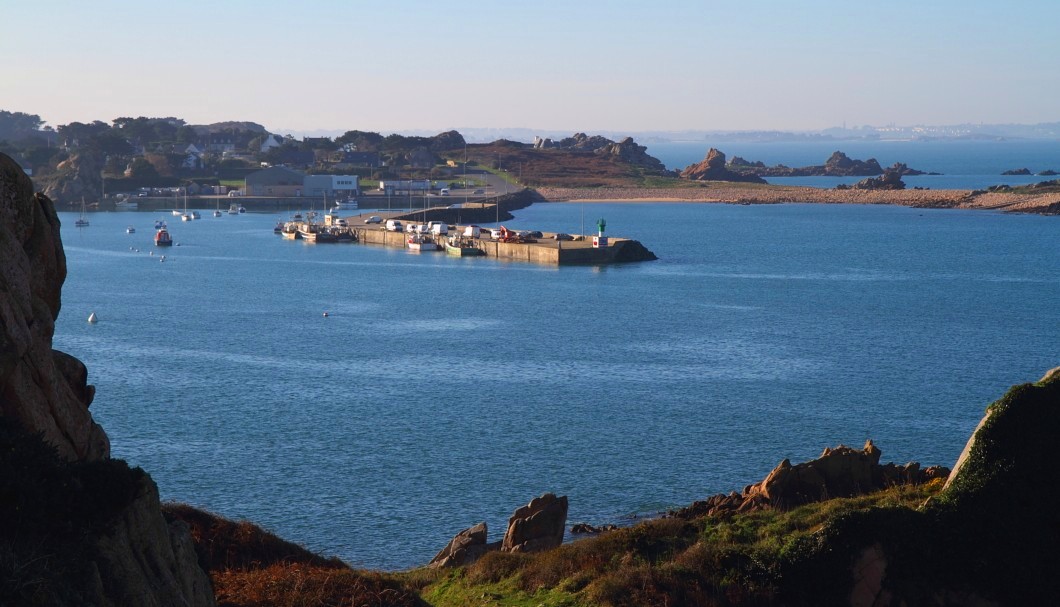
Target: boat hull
{"points": [[463, 251]]}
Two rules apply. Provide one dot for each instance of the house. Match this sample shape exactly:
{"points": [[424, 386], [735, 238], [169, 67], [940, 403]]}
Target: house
{"points": [[274, 181], [220, 143], [272, 141], [336, 186]]}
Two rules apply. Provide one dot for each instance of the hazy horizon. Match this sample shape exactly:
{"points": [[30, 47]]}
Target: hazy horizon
{"points": [[590, 66]]}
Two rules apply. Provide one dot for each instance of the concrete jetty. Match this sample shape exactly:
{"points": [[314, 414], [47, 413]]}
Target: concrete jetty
{"points": [[545, 250]]}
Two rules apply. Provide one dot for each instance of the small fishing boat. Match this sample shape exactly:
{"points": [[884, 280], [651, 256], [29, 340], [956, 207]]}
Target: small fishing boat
{"points": [[316, 233], [233, 209], [290, 231], [421, 242], [130, 230], [160, 224], [163, 239], [279, 227], [462, 247], [242, 209], [195, 215]]}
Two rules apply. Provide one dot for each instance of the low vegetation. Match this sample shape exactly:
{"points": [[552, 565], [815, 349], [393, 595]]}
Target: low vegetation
{"points": [[738, 560]]}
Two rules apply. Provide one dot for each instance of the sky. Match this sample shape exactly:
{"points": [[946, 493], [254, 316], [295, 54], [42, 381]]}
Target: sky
{"points": [[573, 65]]}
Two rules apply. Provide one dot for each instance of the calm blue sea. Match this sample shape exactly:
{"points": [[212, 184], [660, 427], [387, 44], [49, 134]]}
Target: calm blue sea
{"points": [[966, 165], [442, 392]]}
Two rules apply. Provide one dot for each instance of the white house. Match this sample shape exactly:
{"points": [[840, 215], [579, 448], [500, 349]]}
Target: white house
{"points": [[270, 142]]}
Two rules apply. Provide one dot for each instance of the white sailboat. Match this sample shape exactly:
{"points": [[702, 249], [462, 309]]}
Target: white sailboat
{"points": [[185, 216], [82, 222]]}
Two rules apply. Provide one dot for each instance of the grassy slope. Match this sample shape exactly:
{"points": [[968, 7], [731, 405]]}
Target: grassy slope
{"points": [[733, 561]]}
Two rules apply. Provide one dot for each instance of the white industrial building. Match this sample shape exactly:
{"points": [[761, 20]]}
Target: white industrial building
{"points": [[405, 186], [331, 185]]}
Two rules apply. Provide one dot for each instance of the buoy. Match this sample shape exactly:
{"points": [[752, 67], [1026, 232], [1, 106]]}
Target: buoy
{"points": [[151, 253], [92, 318], [325, 314]]}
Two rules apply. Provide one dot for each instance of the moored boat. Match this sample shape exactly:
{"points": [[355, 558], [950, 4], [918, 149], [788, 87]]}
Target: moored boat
{"points": [[290, 231], [130, 230], [462, 247], [163, 239], [421, 242]]}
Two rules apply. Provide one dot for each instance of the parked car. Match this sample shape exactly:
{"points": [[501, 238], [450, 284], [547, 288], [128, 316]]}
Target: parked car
{"points": [[374, 219], [394, 225], [562, 236], [495, 234], [478, 192]]}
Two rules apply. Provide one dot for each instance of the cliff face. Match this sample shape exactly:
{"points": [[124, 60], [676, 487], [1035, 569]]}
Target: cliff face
{"points": [[44, 389], [98, 523]]}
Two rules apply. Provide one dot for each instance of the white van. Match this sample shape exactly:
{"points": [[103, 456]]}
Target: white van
{"points": [[472, 231], [443, 192], [393, 225], [438, 227]]}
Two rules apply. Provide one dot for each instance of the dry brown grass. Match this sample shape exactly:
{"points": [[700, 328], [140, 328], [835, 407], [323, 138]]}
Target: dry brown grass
{"points": [[252, 567], [299, 585]]}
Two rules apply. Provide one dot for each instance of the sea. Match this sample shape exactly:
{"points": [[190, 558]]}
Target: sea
{"points": [[440, 392]]}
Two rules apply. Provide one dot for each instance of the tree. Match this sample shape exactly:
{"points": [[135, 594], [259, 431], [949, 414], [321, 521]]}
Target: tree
{"points": [[15, 126], [141, 168]]}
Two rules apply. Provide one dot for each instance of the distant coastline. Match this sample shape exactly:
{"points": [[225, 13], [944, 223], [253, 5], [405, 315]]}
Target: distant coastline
{"points": [[1047, 203]]}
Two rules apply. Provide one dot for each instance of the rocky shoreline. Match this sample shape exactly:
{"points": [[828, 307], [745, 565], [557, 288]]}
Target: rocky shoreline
{"points": [[737, 193]]}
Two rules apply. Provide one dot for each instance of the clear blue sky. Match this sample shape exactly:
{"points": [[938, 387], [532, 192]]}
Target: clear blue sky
{"points": [[557, 65]]}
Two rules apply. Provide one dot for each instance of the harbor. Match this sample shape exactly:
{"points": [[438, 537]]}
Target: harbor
{"points": [[430, 230]]}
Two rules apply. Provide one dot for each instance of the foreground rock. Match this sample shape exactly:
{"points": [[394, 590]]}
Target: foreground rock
{"points": [[535, 527], [46, 390], [987, 539], [80, 529], [839, 472], [465, 548]]}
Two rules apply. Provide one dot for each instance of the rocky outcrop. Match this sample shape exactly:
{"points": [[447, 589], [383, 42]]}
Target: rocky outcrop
{"points": [[76, 178], [837, 165], [95, 524], [44, 389], [626, 151], [839, 472], [890, 180], [1023, 171], [465, 548], [537, 526], [449, 140], [712, 168]]}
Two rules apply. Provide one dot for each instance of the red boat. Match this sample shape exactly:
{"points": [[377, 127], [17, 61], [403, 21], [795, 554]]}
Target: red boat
{"points": [[163, 239]]}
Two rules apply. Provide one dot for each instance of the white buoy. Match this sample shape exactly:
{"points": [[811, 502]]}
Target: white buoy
{"points": [[92, 318], [325, 314]]}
